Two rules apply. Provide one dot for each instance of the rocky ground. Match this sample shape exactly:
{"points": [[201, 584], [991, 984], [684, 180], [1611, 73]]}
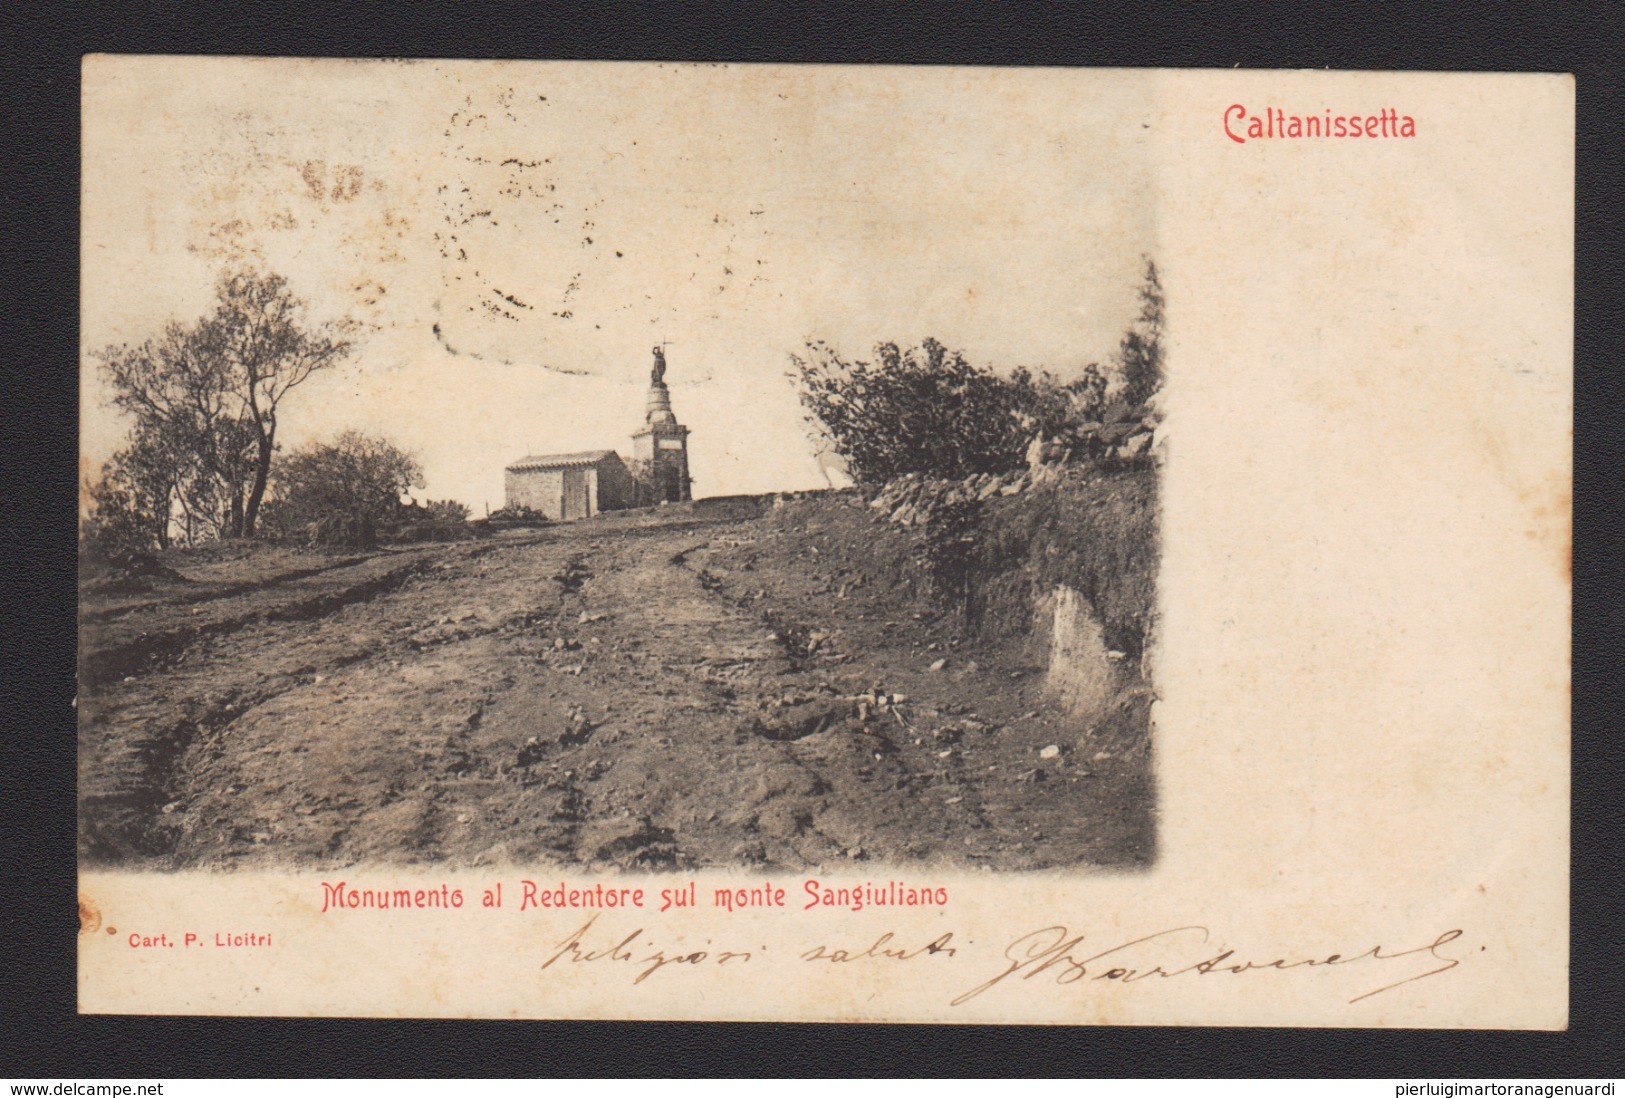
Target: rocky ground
{"points": [[679, 688]]}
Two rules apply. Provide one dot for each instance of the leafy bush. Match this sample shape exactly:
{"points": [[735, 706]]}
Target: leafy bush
{"points": [[345, 492], [436, 520], [924, 410], [445, 512], [928, 411], [517, 514], [118, 520], [118, 535]]}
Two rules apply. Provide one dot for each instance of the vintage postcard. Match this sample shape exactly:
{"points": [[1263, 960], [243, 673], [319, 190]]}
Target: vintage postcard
{"points": [[824, 543]]}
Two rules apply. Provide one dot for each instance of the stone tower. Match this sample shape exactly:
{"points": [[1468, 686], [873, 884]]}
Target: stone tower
{"points": [[660, 450]]}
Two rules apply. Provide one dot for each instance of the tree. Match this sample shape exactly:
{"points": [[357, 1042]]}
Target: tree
{"points": [[924, 410], [1139, 355], [206, 398], [258, 332], [187, 450], [346, 491]]}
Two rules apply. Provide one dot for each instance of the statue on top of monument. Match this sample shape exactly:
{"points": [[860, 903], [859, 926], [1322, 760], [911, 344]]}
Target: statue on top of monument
{"points": [[658, 374]]}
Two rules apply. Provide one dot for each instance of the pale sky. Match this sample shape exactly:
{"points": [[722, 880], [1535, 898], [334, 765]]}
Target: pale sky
{"points": [[514, 237]]}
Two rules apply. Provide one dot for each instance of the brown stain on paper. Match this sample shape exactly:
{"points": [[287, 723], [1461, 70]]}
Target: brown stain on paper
{"points": [[1550, 514], [90, 916], [1547, 507]]}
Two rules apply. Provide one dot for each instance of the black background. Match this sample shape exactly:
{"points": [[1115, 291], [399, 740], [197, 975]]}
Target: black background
{"points": [[41, 1036]]}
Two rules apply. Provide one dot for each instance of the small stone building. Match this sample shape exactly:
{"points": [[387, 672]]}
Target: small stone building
{"points": [[570, 486]]}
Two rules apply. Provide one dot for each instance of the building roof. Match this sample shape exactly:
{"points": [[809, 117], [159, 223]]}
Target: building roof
{"points": [[562, 461]]}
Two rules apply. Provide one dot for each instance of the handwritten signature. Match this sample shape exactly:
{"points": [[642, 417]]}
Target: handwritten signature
{"points": [[1056, 950]]}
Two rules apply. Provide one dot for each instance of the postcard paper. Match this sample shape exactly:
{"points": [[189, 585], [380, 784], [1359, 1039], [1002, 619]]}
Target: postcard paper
{"points": [[824, 543]]}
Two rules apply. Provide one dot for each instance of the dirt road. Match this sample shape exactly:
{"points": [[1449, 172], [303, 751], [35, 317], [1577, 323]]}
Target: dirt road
{"points": [[637, 691]]}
